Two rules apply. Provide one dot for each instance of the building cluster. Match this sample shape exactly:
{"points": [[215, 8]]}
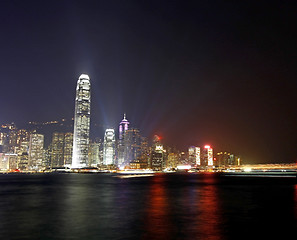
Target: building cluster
{"points": [[24, 150]]}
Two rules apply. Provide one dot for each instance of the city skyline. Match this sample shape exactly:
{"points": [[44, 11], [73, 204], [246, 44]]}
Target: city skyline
{"points": [[212, 73]]}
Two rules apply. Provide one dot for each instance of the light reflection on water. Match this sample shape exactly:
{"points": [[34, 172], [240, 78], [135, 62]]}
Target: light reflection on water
{"points": [[164, 206], [157, 220], [209, 219], [295, 197]]}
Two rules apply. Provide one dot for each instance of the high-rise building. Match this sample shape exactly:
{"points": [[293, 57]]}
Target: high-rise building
{"points": [[23, 161], [109, 147], [47, 154], [157, 158], [94, 154], [207, 156], [68, 142], [22, 136], [23, 156], [57, 154], [3, 141], [194, 156], [36, 151], [123, 127], [9, 161], [191, 153], [172, 161], [145, 156], [226, 159], [82, 122], [132, 143]]}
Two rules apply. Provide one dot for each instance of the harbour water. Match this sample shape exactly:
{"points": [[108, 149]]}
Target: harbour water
{"points": [[162, 206]]}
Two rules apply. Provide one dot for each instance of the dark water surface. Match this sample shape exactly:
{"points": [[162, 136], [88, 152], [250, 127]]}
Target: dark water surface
{"points": [[164, 206]]}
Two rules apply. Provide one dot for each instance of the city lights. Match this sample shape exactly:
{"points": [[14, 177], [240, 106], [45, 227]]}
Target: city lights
{"points": [[82, 122], [129, 152]]}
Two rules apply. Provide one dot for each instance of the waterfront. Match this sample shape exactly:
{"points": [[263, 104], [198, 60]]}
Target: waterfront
{"points": [[163, 206]]}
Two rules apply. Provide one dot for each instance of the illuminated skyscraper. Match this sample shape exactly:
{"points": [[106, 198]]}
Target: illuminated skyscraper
{"points": [[226, 159], [57, 150], [22, 136], [82, 122], [68, 141], [132, 143], [207, 158], [157, 156], [109, 147], [123, 127], [194, 156], [9, 162], [172, 160], [94, 154], [36, 151]]}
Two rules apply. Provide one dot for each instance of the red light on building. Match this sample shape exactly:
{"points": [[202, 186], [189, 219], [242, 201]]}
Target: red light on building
{"points": [[157, 138], [207, 146]]}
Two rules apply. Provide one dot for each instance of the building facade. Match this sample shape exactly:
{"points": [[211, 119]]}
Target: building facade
{"points": [[123, 127], [36, 143], [157, 155], [57, 150], [82, 122], [207, 156], [132, 143], [68, 147], [109, 147], [94, 154], [194, 156]]}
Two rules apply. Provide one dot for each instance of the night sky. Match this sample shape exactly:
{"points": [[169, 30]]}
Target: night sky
{"points": [[222, 73]]}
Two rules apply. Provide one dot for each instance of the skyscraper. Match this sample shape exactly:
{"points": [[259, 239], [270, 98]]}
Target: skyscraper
{"points": [[132, 143], [82, 122], [57, 151], [23, 155], [194, 156], [94, 154], [157, 156], [123, 127], [109, 147], [68, 141], [207, 156], [36, 151]]}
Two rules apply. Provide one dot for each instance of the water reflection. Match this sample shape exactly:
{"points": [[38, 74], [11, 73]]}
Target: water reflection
{"points": [[185, 209], [165, 206], [209, 220], [295, 196], [157, 224]]}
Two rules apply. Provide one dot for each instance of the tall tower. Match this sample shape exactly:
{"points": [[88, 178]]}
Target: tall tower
{"points": [[81, 122], [109, 147], [123, 127]]}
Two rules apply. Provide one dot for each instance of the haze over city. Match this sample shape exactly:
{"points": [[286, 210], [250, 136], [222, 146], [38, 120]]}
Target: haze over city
{"points": [[194, 73]]}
